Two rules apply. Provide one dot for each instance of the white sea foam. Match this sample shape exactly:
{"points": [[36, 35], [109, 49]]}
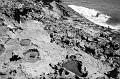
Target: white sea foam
{"points": [[93, 15]]}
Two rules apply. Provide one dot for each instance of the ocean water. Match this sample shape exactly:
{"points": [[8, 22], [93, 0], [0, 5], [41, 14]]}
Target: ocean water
{"points": [[108, 7]]}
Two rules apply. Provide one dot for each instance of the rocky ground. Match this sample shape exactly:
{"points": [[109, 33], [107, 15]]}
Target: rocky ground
{"points": [[45, 39]]}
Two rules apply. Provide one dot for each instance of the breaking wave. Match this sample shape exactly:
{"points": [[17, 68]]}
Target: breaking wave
{"points": [[94, 16]]}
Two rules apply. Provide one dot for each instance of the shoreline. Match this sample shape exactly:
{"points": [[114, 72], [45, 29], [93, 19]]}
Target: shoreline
{"points": [[94, 16]]}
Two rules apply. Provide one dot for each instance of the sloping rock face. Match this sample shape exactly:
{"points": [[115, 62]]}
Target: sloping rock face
{"points": [[45, 39]]}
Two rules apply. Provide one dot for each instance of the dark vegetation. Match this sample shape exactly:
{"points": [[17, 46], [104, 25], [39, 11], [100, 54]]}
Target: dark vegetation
{"points": [[15, 58], [113, 74], [96, 46], [2, 49]]}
